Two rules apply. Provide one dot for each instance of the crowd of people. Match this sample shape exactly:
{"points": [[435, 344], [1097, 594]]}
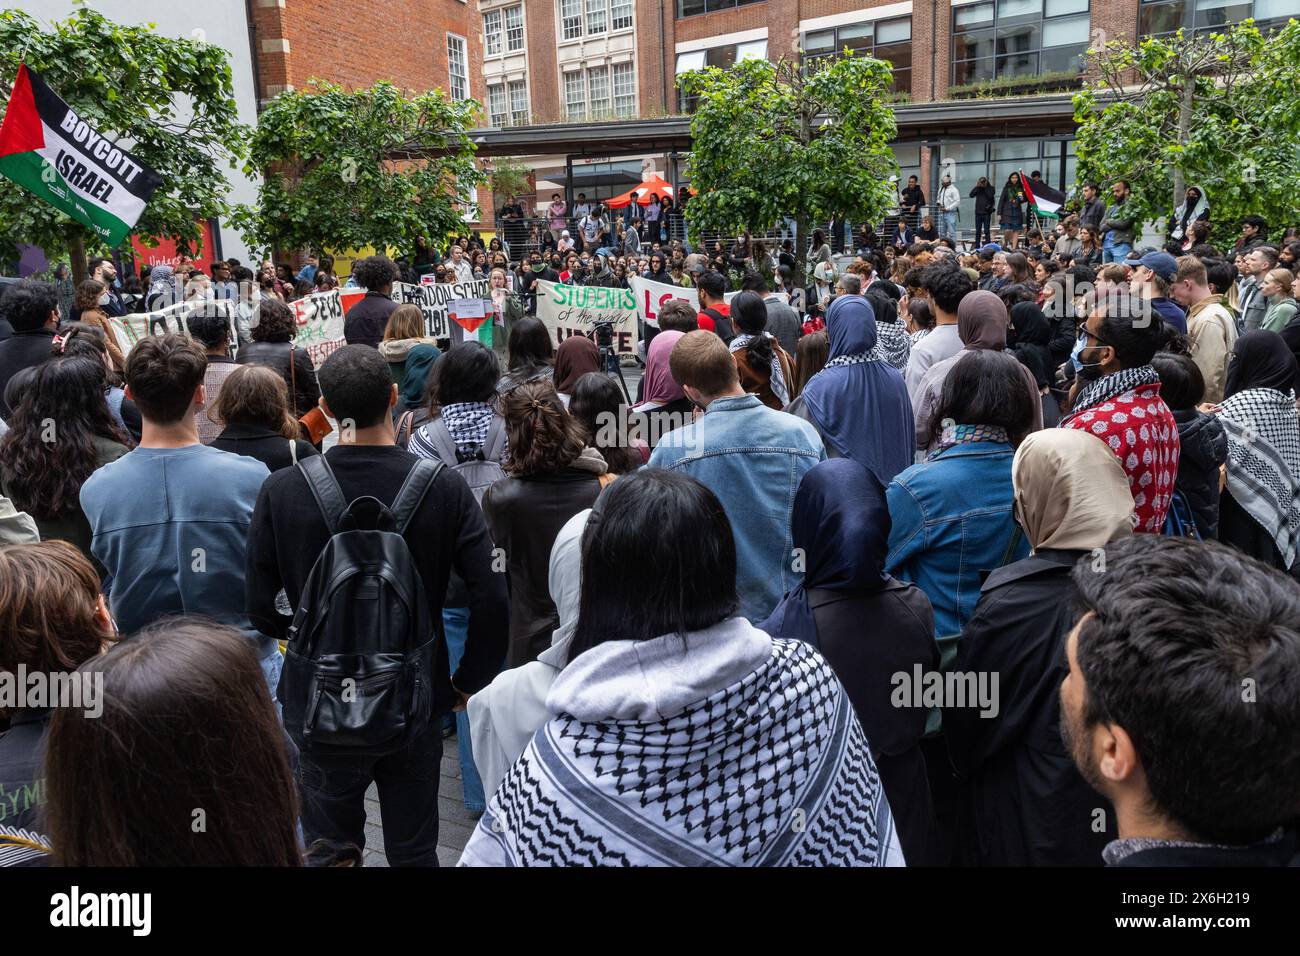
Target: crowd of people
{"points": [[954, 559]]}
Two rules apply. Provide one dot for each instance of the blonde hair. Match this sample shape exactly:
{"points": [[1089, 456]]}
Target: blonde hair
{"points": [[1282, 277], [406, 322]]}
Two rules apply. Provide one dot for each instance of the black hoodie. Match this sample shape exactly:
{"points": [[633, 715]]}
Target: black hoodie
{"points": [[1203, 448]]}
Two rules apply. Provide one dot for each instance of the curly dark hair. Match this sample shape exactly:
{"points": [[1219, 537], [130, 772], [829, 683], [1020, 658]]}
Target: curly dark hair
{"points": [[542, 437], [275, 322], [43, 472], [375, 272]]}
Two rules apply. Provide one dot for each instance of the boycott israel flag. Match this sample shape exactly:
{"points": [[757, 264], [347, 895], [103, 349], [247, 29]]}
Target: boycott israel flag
{"points": [[1047, 202], [50, 151]]}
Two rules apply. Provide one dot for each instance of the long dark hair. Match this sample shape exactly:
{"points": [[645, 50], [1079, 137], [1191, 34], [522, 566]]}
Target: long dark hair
{"points": [[187, 734], [530, 345], [668, 522], [542, 437], [749, 314], [49, 450], [986, 387], [596, 401]]}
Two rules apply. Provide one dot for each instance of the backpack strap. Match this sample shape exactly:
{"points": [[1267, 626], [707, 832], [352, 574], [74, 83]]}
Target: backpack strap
{"points": [[404, 425], [494, 445], [413, 490], [325, 489], [440, 436]]}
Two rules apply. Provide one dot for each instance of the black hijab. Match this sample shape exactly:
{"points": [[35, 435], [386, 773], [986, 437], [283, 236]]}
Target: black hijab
{"points": [[1261, 360]]}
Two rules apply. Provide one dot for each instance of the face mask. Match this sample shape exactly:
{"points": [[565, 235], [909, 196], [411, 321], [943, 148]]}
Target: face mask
{"points": [[1089, 371], [539, 266], [103, 299]]}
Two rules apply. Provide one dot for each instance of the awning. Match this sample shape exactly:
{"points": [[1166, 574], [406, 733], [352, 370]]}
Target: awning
{"points": [[654, 186]]}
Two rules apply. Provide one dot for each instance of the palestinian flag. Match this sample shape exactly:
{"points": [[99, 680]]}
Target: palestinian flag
{"points": [[471, 320], [55, 155], [1047, 202]]}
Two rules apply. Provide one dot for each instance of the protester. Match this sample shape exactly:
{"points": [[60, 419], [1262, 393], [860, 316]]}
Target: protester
{"points": [[1022, 802], [553, 475], [252, 415], [576, 356], [1117, 227], [1282, 307], [91, 300], [366, 320], [952, 514], [893, 338], [663, 406], [404, 331], [186, 727], [1259, 512], [782, 321], [1210, 326], [32, 310], [751, 456], [52, 620], [412, 408], [1167, 769], [1152, 272], [945, 287], [273, 347], [858, 402], [532, 355], [445, 530], [60, 433], [634, 699], [764, 368], [1119, 392], [982, 323], [211, 329], [841, 524], [1202, 443], [1011, 211], [810, 358], [598, 404]]}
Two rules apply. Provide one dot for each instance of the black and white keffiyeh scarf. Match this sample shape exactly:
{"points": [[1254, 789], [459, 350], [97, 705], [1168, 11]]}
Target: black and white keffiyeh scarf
{"points": [[893, 343], [1263, 430], [779, 388], [467, 422], [875, 355], [771, 770], [1109, 386]]}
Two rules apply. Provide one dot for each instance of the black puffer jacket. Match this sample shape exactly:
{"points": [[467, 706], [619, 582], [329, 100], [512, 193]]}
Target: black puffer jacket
{"points": [[1204, 447]]}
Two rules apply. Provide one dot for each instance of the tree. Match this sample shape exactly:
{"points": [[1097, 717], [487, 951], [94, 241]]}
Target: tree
{"points": [[170, 101], [343, 169], [509, 178], [1218, 110], [770, 140]]}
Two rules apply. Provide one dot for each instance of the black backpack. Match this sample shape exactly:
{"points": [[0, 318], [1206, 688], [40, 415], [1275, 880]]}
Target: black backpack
{"points": [[359, 665]]}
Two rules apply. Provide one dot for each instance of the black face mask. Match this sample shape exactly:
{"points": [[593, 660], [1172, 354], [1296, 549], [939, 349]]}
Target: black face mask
{"points": [[1089, 371]]}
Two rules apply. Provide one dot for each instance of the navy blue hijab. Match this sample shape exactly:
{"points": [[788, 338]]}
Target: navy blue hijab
{"points": [[861, 409], [841, 521]]}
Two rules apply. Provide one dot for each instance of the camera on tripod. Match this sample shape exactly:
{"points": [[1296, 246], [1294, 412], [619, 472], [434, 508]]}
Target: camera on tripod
{"points": [[604, 334]]}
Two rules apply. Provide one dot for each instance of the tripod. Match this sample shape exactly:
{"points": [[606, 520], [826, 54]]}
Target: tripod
{"points": [[606, 353]]}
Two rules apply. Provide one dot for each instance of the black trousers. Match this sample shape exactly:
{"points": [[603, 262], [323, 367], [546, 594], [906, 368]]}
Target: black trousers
{"points": [[982, 221], [333, 795]]}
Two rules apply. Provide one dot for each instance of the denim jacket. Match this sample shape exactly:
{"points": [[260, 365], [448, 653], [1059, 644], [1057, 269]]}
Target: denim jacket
{"points": [[753, 458], [953, 519]]}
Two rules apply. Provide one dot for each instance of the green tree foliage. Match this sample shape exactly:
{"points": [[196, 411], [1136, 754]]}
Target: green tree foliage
{"points": [[509, 178], [770, 140], [170, 101], [343, 169], [1218, 110]]}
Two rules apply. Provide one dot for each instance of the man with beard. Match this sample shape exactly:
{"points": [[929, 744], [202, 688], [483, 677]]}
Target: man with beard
{"points": [[1182, 700]]}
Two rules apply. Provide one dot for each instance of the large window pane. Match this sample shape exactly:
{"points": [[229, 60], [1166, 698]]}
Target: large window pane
{"points": [[1019, 8], [1018, 64], [620, 14], [694, 60], [1018, 39], [1156, 19], [1217, 13], [575, 97], [972, 46], [689, 8], [1272, 9], [595, 16], [514, 28], [624, 89], [571, 18], [492, 32], [1057, 8], [973, 16], [519, 103], [892, 31], [1065, 32], [756, 49], [819, 41], [1063, 59], [972, 71], [598, 91], [898, 54]]}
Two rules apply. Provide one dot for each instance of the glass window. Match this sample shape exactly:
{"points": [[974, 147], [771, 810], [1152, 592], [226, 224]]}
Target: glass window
{"points": [[457, 69], [620, 14], [497, 105], [575, 96], [886, 40], [819, 41], [693, 60], [689, 8], [1274, 9], [1163, 17], [492, 32], [755, 48], [1217, 13], [598, 91], [892, 31], [624, 89], [1018, 38], [595, 16], [518, 103], [721, 56], [571, 18], [514, 29]]}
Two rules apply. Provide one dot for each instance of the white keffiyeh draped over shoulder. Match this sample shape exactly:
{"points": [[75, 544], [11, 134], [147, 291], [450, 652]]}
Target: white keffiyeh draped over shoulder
{"points": [[1263, 471], [732, 749]]}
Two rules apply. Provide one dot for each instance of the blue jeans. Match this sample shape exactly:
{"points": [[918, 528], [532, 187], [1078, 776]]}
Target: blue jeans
{"points": [[271, 665], [948, 225], [1115, 252], [455, 623]]}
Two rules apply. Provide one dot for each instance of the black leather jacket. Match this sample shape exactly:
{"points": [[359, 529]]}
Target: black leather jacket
{"points": [[301, 381]]}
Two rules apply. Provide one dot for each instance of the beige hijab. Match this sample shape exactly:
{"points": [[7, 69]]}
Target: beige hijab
{"points": [[1071, 492]]}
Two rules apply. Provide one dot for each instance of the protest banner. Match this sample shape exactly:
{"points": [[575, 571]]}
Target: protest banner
{"points": [[320, 320], [134, 326], [433, 299], [568, 310], [471, 321], [650, 295]]}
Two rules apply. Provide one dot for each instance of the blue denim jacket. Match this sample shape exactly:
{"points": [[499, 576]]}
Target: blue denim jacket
{"points": [[753, 458], [953, 517]]}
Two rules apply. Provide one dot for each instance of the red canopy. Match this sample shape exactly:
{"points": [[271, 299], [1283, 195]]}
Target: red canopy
{"points": [[654, 186]]}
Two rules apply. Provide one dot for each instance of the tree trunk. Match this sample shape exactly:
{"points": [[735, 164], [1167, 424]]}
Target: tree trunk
{"points": [[1187, 102], [77, 254]]}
